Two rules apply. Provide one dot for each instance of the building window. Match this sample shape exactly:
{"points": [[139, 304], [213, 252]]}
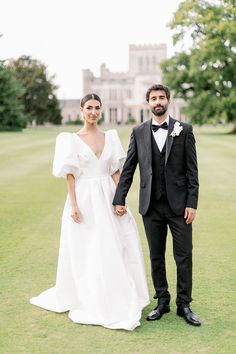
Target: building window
{"points": [[113, 115], [113, 94], [147, 64], [140, 63], [154, 63], [129, 93], [141, 116]]}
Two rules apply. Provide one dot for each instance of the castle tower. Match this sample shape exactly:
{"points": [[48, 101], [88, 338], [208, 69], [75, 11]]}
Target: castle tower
{"points": [[146, 59]]}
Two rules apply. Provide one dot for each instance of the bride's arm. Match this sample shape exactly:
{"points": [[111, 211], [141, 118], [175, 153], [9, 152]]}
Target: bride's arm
{"points": [[116, 177], [120, 209], [75, 212]]}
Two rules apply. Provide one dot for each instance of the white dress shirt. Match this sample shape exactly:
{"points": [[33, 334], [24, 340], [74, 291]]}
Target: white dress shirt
{"points": [[161, 134]]}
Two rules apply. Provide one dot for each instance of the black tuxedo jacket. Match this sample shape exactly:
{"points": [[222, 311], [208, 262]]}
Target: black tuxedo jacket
{"points": [[181, 172]]}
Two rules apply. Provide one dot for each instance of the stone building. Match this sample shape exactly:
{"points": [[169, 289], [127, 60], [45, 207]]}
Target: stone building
{"points": [[70, 109], [123, 93]]}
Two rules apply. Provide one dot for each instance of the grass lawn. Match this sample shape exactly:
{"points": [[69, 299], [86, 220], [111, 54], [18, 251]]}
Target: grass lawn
{"points": [[30, 211]]}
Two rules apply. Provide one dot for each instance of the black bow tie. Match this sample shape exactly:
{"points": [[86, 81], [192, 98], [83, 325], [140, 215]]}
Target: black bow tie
{"points": [[162, 126]]}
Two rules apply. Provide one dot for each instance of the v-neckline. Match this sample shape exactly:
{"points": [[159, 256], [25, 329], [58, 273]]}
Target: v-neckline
{"points": [[90, 149]]}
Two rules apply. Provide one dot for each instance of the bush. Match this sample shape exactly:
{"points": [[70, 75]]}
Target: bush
{"points": [[131, 120], [75, 122], [11, 108]]}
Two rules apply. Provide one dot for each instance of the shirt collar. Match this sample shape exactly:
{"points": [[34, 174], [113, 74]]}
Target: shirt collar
{"points": [[154, 122]]}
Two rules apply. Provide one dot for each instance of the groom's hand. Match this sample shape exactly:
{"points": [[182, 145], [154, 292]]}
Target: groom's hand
{"points": [[189, 215], [120, 210]]}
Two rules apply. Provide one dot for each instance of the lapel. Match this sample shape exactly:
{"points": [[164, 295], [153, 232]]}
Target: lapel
{"points": [[169, 139], [147, 138]]}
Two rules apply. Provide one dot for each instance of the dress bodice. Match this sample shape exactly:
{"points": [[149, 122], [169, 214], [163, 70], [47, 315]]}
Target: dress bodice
{"points": [[73, 155]]}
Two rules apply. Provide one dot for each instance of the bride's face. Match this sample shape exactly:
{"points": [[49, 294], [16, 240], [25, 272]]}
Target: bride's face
{"points": [[91, 111]]}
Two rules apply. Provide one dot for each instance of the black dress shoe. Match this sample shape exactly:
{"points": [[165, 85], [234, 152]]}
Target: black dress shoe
{"points": [[188, 315], [158, 312]]}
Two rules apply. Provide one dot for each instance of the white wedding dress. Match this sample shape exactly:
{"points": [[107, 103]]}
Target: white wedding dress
{"points": [[101, 277]]}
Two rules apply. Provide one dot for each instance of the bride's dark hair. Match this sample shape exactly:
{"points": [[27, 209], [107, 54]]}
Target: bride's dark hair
{"points": [[90, 96]]}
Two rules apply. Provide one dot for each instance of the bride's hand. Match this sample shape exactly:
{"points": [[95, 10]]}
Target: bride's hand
{"points": [[120, 210], [76, 215]]}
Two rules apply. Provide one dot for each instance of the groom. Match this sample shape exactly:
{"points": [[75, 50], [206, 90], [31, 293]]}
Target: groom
{"points": [[165, 151]]}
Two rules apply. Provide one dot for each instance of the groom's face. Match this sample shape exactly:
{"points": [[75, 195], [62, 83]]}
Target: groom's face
{"points": [[158, 102]]}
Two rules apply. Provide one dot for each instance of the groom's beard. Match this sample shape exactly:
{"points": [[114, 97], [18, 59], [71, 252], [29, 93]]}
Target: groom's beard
{"points": [[159, 110]]}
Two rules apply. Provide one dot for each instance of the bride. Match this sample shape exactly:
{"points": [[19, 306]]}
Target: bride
{"points": [[100, 275]]}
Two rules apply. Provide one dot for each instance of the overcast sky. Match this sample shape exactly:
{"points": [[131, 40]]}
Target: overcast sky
{"points": [[71, 35]]}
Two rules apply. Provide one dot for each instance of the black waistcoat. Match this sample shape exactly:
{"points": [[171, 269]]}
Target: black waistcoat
{"points": [[158, 171]]}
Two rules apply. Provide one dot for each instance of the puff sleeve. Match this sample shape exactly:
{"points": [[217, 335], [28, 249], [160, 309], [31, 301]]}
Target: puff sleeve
{"points": [[118, 154], [65, 159]]}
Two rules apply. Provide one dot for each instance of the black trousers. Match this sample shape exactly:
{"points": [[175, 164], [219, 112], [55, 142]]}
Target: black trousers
{"points": [[158, 217]]}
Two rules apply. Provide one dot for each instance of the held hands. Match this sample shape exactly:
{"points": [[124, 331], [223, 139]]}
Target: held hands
{"points": [[189, 215], [76, 214], [120, 210]]}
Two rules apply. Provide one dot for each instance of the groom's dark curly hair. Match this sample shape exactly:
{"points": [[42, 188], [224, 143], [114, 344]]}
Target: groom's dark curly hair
{"points": [[158, 87]]}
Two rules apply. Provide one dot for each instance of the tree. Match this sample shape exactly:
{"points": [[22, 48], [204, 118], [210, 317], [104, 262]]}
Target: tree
{"points": [[11, 108], [40, 102], [204, 73]]}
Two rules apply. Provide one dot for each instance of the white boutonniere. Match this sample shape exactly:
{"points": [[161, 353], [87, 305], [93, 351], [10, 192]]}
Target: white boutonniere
{"points": [[177, 129]]}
